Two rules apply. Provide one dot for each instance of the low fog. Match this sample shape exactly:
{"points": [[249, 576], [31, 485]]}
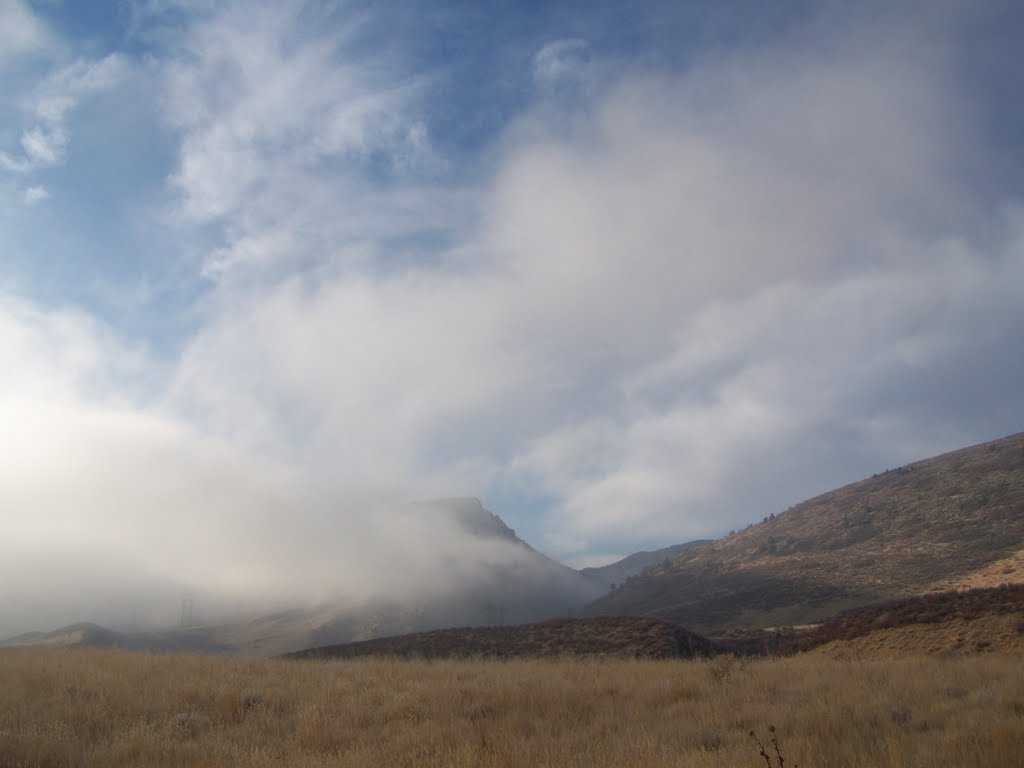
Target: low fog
{"points": [[660, 303], [122, 536]]}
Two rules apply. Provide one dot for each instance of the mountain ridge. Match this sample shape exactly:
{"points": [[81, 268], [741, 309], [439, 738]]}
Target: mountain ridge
{"points": [[631, 565]]}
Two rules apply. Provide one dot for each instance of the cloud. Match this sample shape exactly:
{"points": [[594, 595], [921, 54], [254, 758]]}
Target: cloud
{"points": [[117, 507], [44, 144], [782, 394], [278, 136], [35, 195], [738, 265], [21, 32], [617, 331], [660, 309], [559, 60]]}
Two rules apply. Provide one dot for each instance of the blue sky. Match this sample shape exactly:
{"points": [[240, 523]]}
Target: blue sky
{"points": [[631, 273]]}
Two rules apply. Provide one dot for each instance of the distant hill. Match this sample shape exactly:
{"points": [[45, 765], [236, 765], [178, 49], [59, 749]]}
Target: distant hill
{"points": [[631, 637], [83, 633], [499, 579], [947, 522], [87, 634], [615, 573]]}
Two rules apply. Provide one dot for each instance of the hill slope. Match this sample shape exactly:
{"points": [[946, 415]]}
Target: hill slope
{"points": [[975, 621], [940, 523], [632, 637], [631, 565]]}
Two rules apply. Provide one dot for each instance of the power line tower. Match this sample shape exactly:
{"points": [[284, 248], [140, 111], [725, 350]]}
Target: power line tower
{"points": [[187, 604]]}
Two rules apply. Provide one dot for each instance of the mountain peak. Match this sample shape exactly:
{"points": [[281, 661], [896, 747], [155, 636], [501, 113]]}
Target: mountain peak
{"points": [[469, 514]]}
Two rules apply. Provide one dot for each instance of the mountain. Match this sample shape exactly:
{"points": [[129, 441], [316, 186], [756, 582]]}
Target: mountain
{"points": [[485, 574], [615, 573], [496, 577], [948, 522], [622, 636]]}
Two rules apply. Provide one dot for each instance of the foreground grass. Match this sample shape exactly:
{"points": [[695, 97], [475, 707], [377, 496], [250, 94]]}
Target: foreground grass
{"points": [[105, 708]]}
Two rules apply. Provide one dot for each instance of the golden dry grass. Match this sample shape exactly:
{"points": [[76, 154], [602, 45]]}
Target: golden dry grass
{"points": [[1008, 570], [984, 634], [114, 708]]}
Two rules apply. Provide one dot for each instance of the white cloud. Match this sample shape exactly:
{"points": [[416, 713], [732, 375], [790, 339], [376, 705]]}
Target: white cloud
{"points": [[279, 137], [21, 32], [559, 60], [731, 423], [62, 91], [35, 195], [44, 144], [630, 327], [118, 507]]}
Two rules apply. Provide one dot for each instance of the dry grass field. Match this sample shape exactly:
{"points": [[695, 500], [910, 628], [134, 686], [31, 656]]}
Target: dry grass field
{"points": [[1001, 633], [989, 619], [115, 708]]}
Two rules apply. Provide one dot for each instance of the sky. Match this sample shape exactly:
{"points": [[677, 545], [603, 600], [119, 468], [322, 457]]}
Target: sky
{"points": [[632, 274]]}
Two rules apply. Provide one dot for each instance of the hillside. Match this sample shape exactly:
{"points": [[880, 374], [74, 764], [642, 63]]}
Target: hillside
{"points": [[629, 637], [984, 620], [615, 573], [951, 521], [975, 621], [83, 633], [955, 636]]}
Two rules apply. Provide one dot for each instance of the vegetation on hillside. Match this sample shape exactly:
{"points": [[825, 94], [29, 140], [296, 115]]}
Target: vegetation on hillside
{"points": [[947, 622], [629, 637], [943, 623], [107, 707], [927, 610]]}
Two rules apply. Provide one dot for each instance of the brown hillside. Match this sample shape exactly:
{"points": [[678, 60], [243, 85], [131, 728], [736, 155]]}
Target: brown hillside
{"points": [[630, 637], [931, 525], [976, 620], [995, 633]]}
